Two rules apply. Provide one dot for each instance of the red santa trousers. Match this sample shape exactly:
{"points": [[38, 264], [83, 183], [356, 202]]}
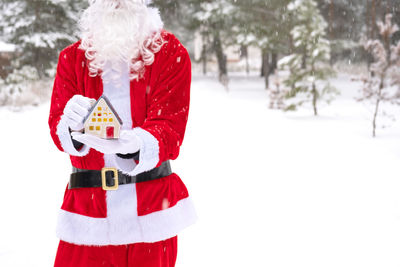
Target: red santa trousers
{"points": [[158, 254]]}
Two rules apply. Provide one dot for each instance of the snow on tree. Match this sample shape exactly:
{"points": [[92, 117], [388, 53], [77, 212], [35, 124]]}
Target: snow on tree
{"points": [[39, 29], [308, 66], [214, 20], [18, 85], [266, 25], [176, 17], [382, 83]]}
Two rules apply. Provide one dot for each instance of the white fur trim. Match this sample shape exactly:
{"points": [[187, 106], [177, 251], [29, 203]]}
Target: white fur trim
{"points": [[66, 141], [167, 223], [125, 228], [123, 225], [148, 156]]}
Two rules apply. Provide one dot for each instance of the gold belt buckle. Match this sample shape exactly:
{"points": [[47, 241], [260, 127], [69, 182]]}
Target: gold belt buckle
{"points": [[103, 179]]}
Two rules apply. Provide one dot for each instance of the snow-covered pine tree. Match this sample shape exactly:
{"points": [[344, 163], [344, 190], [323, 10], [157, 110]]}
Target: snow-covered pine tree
{"points": [[346, 24], [383, 86], [40, 29], [176, 17], [308, 66], [16, 85], [266, 25], [215, 21]]}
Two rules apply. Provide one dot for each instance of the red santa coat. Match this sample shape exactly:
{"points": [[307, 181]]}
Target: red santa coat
{"points": [[143, 212]]}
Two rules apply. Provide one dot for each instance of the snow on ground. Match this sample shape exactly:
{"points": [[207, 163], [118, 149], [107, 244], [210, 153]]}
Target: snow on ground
{"points": [[271, 188]]}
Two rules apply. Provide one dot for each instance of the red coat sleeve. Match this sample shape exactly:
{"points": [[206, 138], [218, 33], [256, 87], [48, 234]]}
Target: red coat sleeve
{"points": [[168, 104], [63, 89], [167, 109]]}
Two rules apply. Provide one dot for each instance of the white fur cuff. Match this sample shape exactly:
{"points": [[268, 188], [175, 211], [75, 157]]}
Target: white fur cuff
{"points": [[66, 141], [148, 156]]}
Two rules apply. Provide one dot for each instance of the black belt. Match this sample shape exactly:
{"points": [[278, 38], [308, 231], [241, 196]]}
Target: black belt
{"points": [[107, 178]]}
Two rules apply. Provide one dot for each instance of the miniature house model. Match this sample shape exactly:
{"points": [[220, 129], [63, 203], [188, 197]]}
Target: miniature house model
{"points": [[103, 120]]}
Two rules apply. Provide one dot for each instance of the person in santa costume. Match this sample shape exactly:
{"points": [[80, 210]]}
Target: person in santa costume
{"points": [[144, 71]]}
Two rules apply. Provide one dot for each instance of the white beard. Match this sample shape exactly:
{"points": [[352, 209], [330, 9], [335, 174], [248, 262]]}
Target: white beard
{"points": [[120, 31]]}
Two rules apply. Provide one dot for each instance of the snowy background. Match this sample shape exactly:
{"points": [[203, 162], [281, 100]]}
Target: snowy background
{"points": [[271, 188]]}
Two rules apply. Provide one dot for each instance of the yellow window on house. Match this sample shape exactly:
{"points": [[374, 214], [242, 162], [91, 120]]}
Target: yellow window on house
{"points": [[105, 119], [110, 120], [93, 119], [99, 119], [98, 108], [97, 128], [91, 128]]}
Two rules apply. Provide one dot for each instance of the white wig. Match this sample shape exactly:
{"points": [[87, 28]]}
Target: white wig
{"points": [[118, 31]]}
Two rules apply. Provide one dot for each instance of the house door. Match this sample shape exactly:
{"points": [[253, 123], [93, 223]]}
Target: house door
{"points": [[110, 131]]}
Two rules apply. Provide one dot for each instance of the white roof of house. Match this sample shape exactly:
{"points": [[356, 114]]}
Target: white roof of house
{"points": [[4, 47]]}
